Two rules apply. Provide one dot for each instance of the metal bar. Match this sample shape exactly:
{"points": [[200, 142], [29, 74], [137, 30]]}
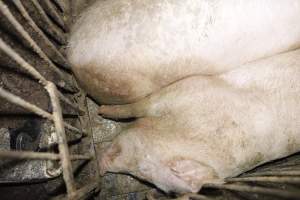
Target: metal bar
{"points": [[30, 21], [88, 126], [272, 173], [4, 9], [20, 102], [50, 28], [51, 11], [38, 155], [62, 139], [30, 69], [72, 128], [274, 179], [283, 168], [84, 192], [16, 57], [256, 189], [60, 4], [33, 108], [67, 101]]}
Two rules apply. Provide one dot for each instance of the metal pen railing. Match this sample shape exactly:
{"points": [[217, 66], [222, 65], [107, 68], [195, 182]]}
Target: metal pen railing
{"points": [[54, 94]]}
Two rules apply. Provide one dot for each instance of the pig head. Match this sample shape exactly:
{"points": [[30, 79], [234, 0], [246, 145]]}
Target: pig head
{"points": [[131, 153]]}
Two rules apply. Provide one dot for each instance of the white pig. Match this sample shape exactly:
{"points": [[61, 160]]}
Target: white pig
{"points": [[205, 128], [123, 50]]}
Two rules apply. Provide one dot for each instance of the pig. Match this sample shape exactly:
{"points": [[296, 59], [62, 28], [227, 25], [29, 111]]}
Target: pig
{"points": [[202, 129], [124, 50]]}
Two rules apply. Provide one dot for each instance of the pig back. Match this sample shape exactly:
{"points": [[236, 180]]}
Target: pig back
{"points": [[123, 50]]}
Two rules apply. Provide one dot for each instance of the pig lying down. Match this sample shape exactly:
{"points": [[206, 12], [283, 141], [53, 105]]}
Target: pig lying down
{"points": [[123, 50], [203, 129], [214, 85]]}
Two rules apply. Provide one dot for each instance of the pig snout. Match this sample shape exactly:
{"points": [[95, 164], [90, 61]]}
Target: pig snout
{"points": [[107, 158]]}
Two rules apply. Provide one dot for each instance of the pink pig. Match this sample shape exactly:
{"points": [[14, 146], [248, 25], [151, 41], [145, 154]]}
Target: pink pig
{"points": [[123, 50], [203, 129]]}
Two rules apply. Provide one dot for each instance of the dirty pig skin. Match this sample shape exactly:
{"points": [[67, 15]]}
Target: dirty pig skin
{"points": [[203, 129], [123, 50]]}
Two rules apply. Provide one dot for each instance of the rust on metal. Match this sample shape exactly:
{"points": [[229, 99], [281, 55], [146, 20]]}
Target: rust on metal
{"points": [[49, 26], [52, 11], [33, 108], [272, 179], [20, 155], [31, 70], [255, 189], [57, 57], [62, 139]]}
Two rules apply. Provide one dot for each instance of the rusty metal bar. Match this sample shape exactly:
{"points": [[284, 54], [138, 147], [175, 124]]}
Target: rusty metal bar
{"points": [[4, 9], [283, 168], [62, 139], [30, 69], [67, 101], [273, 179], [33, 108], [55, 95], [51, 11], [16, 57], [38, 155], [50, 28], [88, 127], [20, 102], [274, 173], [255, 189], [24, 13], [60, 4]]}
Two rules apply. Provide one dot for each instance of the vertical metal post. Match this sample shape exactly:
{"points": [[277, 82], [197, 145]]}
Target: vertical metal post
{"points": [[62, 140]]}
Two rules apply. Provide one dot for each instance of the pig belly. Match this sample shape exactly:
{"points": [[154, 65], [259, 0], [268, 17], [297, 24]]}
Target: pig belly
{"points": [[124, 50]]}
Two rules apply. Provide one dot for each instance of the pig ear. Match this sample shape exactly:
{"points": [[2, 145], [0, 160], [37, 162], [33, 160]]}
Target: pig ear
{"points": [[193, 173]]}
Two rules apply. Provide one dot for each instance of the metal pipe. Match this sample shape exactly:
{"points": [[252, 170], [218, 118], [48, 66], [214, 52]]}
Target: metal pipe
{"points": [[33, 108], [38, 155], [49, 26], [53, 13], [62, 139], [31, 70], [61, 60], [255, 189], [275, 173], [273, 179], [61, 5], [6, 12]]}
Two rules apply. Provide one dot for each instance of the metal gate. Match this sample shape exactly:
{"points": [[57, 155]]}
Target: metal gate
{"points": [[32, 37]]}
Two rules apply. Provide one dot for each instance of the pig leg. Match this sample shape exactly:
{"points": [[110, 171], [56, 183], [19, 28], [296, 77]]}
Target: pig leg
{"points": [[123, 111], [162, 102]]}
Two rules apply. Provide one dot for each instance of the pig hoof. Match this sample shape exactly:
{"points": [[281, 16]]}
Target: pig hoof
{"points": [[113, 112], [105, 111]]}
